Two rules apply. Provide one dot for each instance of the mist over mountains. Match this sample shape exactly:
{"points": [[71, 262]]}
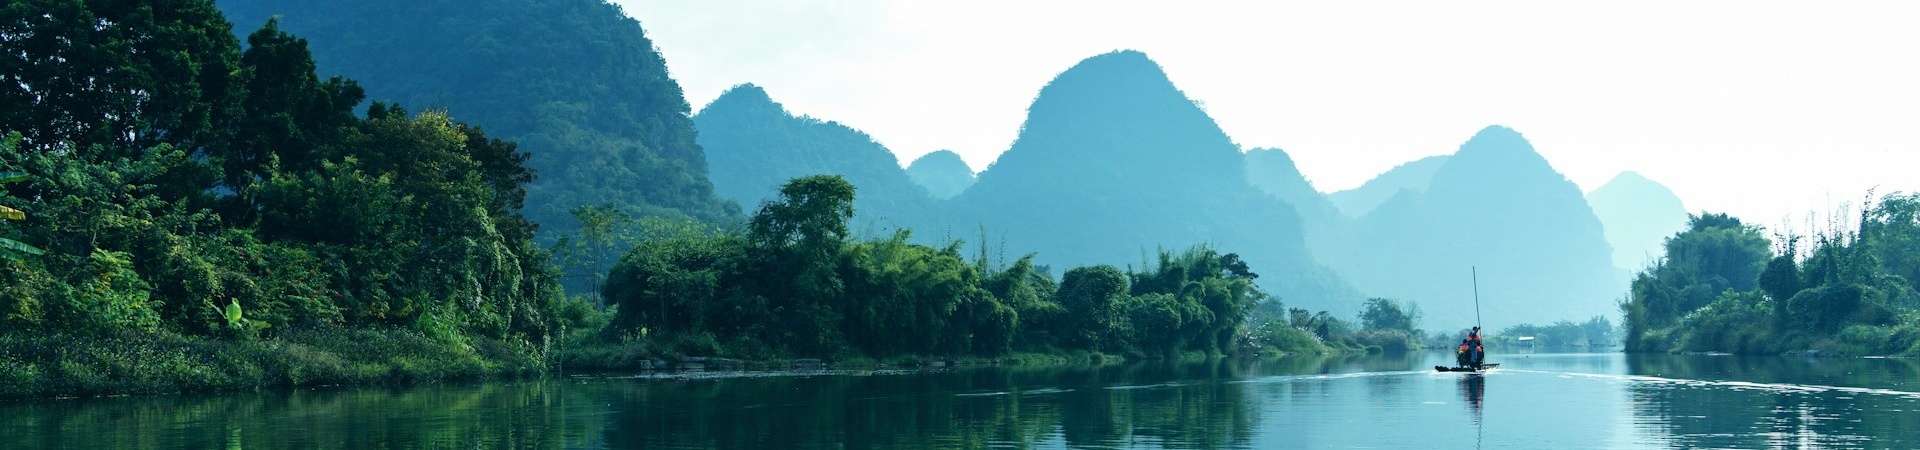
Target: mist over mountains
{"points": [[1639, 215], [1496, 205], [1410, 176], [1112, 163], [942, 172]]}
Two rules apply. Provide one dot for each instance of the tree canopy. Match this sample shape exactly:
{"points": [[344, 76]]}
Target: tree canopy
{"points": [[169, 174], [576, 83], [1724, 286], [794, 283]]}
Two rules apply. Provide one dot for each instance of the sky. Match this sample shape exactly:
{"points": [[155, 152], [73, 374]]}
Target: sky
{"points": [[1776, 112]]}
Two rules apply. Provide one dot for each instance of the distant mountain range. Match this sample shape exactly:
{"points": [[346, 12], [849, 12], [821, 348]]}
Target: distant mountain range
{"points": [[1112, 163], [942, 172], [1497, 206], [1412, 176], [1639, 215], [754, 146]]}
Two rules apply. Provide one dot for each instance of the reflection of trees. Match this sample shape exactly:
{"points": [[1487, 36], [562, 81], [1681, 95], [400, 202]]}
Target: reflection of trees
{"points": [[1202, 411], [1176, 404], [1719, 415], [496, 414], [1185, 403]]}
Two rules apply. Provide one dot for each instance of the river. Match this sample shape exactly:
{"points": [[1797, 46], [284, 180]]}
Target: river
{"points": [[1606, 400]]}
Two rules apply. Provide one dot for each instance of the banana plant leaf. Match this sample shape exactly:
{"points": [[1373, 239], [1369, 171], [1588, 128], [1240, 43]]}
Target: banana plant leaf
{"points": [[17, 246], [233, 312]]}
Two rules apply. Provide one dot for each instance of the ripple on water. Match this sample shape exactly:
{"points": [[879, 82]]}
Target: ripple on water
{"points": [[1784, 388]]}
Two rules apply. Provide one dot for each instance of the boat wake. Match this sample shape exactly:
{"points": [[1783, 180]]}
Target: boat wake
{"points": [[1317, 377], [1784, 388]]}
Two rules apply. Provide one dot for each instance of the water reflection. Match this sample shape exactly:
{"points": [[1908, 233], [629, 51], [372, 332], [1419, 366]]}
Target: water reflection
{"points": [[1544, 401], [1179, 405], [1474, 387], [1796, 402]]}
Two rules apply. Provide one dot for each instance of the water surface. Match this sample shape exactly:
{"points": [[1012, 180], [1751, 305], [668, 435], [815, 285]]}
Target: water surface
{"points": [[1533, 401]]}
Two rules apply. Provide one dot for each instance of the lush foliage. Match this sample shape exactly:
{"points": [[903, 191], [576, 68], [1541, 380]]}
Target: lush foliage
{"points": [[1721, 289], [1595, 332], [38, 365], [12, 249], [576, 83], [794, 284], [1389, 324], [183, 188]]}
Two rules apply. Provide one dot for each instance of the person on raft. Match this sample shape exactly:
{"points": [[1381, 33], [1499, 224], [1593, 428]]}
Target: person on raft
{"points": [[1471, 353]]}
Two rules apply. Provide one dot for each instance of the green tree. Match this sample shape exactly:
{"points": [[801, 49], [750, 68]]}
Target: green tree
{"points": [[1599, 331], [1781, 281], [1389, 314], [123, 75], [1029, 291], [289, 113], [799, 238], [1719, 250], [1092, 297], [682, 277], [576, 83], [1716, 253], [605, 233], [906, 298]]}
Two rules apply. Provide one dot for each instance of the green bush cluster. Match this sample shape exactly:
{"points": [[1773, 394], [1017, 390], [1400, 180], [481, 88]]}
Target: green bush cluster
{"points": [[1721, 290], [795, 284], [163, 362], [186, 175], [196, 215]]}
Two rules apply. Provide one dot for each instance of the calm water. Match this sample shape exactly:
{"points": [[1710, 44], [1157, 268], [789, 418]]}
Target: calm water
{"points": [[1533, 401]]}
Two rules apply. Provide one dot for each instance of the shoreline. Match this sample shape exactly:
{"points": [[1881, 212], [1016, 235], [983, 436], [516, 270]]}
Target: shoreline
{"points": [[65, 367]]}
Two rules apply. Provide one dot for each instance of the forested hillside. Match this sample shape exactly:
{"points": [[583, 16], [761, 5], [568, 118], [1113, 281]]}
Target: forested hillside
{"points": [[191, 208], [755, 146], [575, 82]]}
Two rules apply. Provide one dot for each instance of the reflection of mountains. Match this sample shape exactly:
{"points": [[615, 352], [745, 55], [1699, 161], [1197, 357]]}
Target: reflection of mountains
{"points": [[1760, 402]]}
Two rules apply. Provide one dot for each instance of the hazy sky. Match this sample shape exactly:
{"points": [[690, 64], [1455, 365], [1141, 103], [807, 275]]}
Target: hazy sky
{"points": [[1767, 110]]}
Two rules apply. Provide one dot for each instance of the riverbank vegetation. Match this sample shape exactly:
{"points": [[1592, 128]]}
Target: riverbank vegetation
{"points": [[1597, 332], [188, 214], [794, 283], [193, 215], [1725, 286]]}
